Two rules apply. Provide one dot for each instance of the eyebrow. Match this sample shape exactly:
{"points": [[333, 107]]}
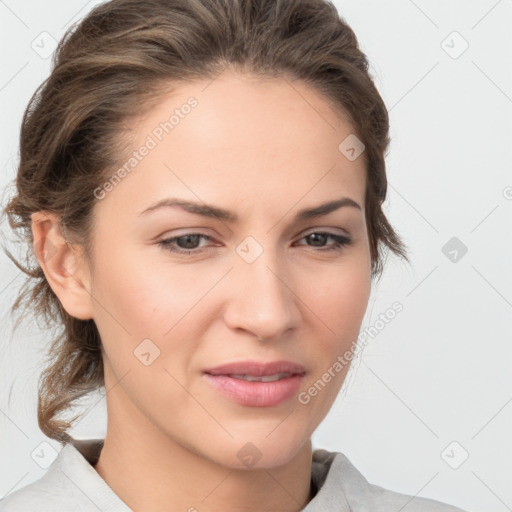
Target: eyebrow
{"points": [[214, 212]]}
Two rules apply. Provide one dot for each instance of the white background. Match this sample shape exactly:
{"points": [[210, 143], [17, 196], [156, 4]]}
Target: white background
{"points": [[441, 370]]}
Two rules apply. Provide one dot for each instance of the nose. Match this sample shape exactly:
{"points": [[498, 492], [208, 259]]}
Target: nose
{"points": [[262, 301]]}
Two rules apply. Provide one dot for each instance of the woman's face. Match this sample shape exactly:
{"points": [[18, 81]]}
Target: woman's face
{"points": [[247, 157]]}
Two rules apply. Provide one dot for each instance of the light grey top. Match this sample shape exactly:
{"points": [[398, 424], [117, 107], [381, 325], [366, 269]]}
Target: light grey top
{"points": [[71, 484]]}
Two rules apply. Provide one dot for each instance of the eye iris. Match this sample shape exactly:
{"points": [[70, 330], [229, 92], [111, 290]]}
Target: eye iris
{"points": [[317, 237], [190, 241]]}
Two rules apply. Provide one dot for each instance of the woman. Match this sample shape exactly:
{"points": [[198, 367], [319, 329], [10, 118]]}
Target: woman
{"points": [[202, 182]]}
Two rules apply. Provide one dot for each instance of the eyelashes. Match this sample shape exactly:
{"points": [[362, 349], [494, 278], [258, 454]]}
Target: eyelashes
{"points": [[171, 244]]}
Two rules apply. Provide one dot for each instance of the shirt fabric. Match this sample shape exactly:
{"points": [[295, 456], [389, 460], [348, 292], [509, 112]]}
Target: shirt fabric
{"points": [[71, 484]]}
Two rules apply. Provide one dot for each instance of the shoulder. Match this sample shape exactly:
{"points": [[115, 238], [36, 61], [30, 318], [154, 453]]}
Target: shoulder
{"points": [[49, 493], [342, 485], [69, 485]]}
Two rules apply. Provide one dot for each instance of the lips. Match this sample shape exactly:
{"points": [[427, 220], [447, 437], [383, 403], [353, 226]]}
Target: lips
{"points": [[256, 369], [256, 384], [262, 378]]}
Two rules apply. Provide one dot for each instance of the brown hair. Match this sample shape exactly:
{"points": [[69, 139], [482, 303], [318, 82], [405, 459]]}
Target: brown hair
{"points": [[109, 68]]}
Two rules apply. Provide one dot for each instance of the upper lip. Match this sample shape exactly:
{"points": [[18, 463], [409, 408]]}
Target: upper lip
{"points": [[256, 369]]}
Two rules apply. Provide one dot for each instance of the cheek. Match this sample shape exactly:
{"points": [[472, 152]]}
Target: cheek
{"points": [[338, 303], [350, 299], [339, 297], [145, 316], [145, 300], [164, 303]]}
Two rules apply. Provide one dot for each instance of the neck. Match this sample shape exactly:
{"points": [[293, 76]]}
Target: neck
{"points": [[150, 471]]}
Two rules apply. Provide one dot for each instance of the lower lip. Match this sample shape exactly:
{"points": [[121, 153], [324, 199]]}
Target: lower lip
{"points": [[256, 394]]}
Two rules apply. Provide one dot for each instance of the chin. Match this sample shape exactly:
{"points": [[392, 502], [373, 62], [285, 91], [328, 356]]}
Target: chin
{"points": [[258, 451]]}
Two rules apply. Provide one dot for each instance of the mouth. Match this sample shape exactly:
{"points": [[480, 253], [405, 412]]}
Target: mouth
{"points": [[256, 384], [257, 369], [262, 378]]}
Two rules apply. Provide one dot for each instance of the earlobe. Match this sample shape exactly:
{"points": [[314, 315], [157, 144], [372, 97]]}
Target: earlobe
{"points": [[63, 264]]}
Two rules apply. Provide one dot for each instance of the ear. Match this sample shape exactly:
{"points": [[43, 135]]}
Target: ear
{"points": [[63, 264]]}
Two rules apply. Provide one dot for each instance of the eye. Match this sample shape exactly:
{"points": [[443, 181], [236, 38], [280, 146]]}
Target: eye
{"points": [[318, 238], [184, 244], [189, 242]]}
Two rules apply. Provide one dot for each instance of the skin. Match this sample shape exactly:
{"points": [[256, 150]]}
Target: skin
{"points": [[263, 149]]}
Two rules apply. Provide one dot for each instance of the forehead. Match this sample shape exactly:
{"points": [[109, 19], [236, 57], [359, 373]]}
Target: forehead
{"points": [[237, 136]]}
